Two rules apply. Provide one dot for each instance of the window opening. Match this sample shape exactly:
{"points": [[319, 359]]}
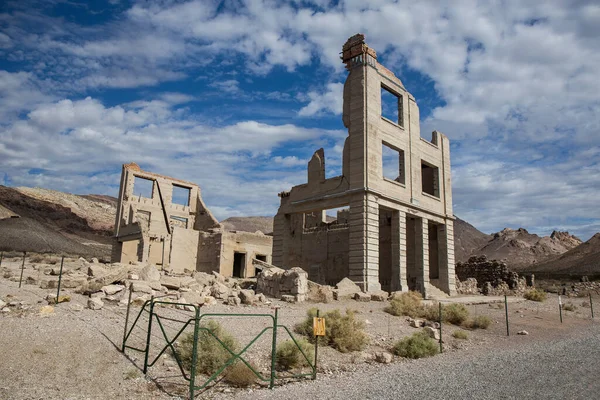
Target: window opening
{"points": [[393, 164], [181, 195], [430, 179], [142, 187], [392, 106]]}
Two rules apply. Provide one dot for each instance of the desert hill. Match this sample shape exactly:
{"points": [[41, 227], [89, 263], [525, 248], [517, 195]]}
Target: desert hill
{"points": [[581, 260], [42, 220]]}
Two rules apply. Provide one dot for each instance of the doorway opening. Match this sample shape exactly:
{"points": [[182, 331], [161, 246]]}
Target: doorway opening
{"points": [[239, 264]]}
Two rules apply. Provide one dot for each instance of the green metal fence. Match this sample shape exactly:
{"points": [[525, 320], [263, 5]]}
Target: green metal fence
{"points": [[196, 322]]}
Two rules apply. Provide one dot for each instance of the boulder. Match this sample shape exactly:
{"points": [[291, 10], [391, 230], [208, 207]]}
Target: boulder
{"points": [[204, 279], [247, 296], [94, 303], [133, 277], [76, 307], [288, 298], [522, 333], [112, 276], [233, 301], [261, 298], [188, 282], [149, 273], [209, 301], [415, 323], [362, 297], [170, 282], [2, 304], [219, 291], [383, 357], [94, 270], [141, 287], [112, 289], [319, 293], [379, 295], [346, 289], [432, 332]]}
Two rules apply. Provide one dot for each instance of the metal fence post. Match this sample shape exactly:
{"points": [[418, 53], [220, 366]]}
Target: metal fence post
{"points": [[273, 350], [22, 268], [1, 257], [441, 347], [591, 305], [506, 311], [149, 334], [560, 308], [194, 354], [62, 260], [127, 318], [316, 352]]}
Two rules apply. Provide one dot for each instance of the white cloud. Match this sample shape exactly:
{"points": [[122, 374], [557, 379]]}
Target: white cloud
{"points": [[331, 100]]}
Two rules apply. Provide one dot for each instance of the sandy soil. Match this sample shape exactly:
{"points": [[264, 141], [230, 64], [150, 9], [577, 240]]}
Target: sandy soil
{"points": [[71, 352]]}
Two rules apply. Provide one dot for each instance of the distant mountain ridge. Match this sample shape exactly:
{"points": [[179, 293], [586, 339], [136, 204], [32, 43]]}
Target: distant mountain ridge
{"points": [[43, 220]]}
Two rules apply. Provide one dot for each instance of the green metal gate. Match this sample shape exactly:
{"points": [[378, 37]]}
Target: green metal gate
{"points": [[149, 308]]}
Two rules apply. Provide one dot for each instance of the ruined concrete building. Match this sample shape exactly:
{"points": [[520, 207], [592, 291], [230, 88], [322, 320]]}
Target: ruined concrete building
{"points": [[395, 228], [163, 221]]}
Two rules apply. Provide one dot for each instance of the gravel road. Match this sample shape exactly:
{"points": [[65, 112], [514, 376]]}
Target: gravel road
{"points": [[563, 369]]}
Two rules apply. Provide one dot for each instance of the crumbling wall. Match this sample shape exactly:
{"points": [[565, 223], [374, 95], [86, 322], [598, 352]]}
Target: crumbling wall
{"points": [[492, 276], [248, 243], [291, 284]]}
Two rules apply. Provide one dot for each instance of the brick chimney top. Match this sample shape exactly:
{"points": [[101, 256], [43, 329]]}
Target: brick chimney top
{"points": [[356, 46]]}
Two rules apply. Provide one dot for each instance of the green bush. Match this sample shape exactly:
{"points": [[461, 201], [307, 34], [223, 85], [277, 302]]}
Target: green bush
{"points": [[418, 345], [535, 295], [455, 313], [460, 334], [408, 304], [479, 322], [211, 354], [342, 332], [289, 356], [569, 307], [240, 375]]}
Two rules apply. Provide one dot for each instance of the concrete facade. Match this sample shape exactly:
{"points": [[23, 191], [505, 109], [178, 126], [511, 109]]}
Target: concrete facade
{"points": [[177, 231], [394, 232]]}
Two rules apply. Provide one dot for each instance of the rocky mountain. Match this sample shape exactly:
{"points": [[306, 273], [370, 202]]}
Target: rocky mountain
{"points": [[467, 239], [581, 260], [43, 220], [520, 248]]}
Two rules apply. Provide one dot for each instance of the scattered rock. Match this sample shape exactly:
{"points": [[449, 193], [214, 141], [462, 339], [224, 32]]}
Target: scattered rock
{"points": [[95, 260], [416, 323], [219, 291], [5, 310], [383, 357], [209, 301], [203, 278], [432, 332], [288, 298], [149, 273], [112, 289], [247, 296], [94, 303], [233, 301], [319, 293], [133, 277], [362, 297], [379, 296], [522, 333], [95, 270], [346, 289], [47, 310], [170, 282], [76, 307], [2, 304], [140, 287]]}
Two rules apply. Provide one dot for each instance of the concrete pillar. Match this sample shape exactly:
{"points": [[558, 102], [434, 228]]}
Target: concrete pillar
{"points": [[399, 282], [281, 236], [422, 255], [363, 257], [446, 257]]}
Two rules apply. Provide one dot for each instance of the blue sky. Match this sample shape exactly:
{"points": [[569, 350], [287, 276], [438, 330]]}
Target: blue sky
{"points": [[236, 96]]}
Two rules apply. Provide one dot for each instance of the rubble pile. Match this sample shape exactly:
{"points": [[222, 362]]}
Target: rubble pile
{"points": [[490, 277]]}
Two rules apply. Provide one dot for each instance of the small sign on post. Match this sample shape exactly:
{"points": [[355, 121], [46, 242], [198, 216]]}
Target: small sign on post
{"points": [[318, 326]]}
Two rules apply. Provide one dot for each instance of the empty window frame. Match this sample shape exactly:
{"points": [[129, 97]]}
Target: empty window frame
{"points": [[178, 222], [181, 195], [392, 106], [142, 187], [393, 163], [430, 179]]}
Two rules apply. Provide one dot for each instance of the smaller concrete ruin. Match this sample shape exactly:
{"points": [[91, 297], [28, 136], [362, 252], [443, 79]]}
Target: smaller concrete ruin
{"points": [[479, 274], [163, 221]]}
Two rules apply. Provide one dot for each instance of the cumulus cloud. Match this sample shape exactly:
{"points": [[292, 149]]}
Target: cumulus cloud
{"points": [[331, 100]]}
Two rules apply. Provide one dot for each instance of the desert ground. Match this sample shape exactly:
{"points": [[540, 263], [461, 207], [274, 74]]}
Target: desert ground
{"points": [[68, 351]]}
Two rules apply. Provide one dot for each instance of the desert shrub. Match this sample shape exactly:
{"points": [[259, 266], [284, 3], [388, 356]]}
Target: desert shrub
{"points": [[460, 334], [39, 258], [132, 373], [240, 375], [569, 307], [479, 322], [211, 354], [535, 295], [344, 333], [455, 313], [408, 304], [288, 355], [418, 345]]}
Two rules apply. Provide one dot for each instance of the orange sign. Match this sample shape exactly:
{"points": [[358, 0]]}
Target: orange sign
{"points": [[319, 326]]}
